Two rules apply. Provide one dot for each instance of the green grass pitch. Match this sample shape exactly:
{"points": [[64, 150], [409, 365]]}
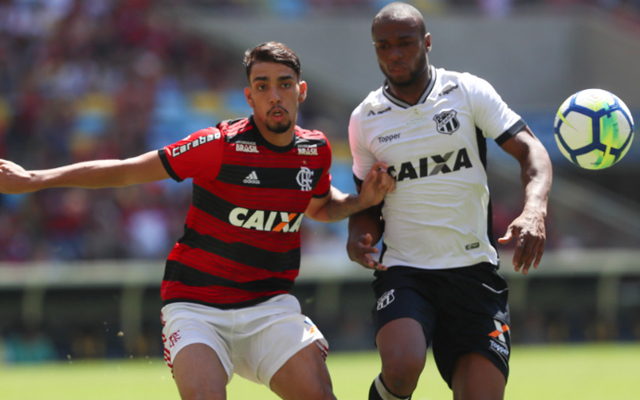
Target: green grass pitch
{"points": [[556, 372]]}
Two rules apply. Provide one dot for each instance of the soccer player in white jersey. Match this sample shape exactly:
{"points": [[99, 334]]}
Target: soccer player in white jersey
{"points": [[436, 278]]}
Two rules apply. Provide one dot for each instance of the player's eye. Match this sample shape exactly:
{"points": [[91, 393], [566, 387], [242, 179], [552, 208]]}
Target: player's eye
{"points": [[286, 85]]}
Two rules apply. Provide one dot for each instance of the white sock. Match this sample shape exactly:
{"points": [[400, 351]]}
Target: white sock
{"points": [[384, 393]]}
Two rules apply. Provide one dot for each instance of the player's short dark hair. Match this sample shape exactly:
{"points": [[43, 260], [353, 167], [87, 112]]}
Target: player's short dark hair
{"points": [[272, 52]]}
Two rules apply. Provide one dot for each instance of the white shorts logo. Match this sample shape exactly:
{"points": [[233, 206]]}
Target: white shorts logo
{"points": [[386, 299]]}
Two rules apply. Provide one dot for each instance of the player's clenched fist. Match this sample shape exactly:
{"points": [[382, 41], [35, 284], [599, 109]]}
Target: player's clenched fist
{"points": [[13, 178], [377, 184]]}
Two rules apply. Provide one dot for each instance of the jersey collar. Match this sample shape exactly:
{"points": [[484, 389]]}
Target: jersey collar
{"points": [[423, 98], [264, 142]]}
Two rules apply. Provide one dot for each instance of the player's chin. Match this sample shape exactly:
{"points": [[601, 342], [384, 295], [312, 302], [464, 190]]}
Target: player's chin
{"points": [[279, 127]]}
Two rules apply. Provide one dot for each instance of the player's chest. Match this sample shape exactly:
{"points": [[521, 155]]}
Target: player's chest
{"points": [[249, 165], [403, 134]]}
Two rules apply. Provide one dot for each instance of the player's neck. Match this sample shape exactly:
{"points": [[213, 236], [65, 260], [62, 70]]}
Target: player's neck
{"points": [[277, 139], [412, 93]]}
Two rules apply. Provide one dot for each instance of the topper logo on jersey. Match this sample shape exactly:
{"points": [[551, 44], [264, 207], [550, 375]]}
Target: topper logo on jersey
{"points": [[264, 220], [447, 122], [441, 166], [389, 138], [193, 144], [304, 179]]}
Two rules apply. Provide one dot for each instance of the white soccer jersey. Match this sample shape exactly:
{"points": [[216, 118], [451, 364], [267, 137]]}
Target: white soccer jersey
{"points": [[439, 214]]}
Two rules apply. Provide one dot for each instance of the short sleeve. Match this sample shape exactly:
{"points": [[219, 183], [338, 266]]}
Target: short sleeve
{"points": [[491, 114], [363, 159], [199, 155]]}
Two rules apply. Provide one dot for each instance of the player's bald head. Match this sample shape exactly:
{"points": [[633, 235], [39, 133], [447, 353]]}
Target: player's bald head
{"points": [[401, 12]]}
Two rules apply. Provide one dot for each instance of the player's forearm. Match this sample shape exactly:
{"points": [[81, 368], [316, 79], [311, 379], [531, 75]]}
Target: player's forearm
{"points": [[91, 175], [366, 222], [536, 178], [339, 207]]}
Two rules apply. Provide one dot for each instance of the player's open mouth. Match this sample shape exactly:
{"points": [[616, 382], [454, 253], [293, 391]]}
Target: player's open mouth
{"points": [[277, 113]]}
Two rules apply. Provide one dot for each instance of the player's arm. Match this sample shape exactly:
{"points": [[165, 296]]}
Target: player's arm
{"points": [[536, 175], [337, 205], [90, 174], [365, 231]]}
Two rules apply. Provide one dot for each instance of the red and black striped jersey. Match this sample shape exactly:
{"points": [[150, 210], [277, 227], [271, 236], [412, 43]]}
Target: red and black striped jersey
{"points": [[241, 244]]}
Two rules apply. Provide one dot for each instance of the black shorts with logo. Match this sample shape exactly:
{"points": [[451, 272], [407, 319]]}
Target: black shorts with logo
{"points": [[461, 310]]}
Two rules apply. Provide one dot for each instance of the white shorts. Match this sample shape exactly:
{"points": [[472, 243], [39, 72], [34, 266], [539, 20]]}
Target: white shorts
{"points": [[253, 342]]}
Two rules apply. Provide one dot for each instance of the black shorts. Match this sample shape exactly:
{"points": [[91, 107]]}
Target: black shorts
{"points": [[461, 310]]}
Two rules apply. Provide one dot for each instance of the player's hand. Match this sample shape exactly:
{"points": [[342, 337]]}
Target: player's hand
{"points": [[529, 231], [360, 250], [377, 184], [13, 178]]}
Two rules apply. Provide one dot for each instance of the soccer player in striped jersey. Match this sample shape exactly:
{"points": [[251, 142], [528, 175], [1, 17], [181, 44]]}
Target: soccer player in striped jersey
{"points": [[227, 307], [436, 277]]}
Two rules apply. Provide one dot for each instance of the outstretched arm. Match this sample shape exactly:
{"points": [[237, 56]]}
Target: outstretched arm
{"points": [[337, 205], [536, 175], [91, 174]]}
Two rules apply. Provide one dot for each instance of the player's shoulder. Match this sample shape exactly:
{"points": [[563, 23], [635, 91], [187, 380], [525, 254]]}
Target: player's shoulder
{"points": [[233, 127], [310, 136], [466, 81], [374, 100]]}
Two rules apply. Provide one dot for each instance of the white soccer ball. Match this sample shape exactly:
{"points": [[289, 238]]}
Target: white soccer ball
{"points": [[593, 129]]}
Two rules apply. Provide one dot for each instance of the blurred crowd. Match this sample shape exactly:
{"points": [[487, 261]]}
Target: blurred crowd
{"points": [[101, 79]]}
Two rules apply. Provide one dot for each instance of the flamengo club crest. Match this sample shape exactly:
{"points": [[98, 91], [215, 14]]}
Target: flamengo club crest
{"points": [[447, 122], [304, 179]]}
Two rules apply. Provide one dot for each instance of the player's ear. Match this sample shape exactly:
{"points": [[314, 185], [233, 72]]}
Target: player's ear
{"points": [[303, 92], [247, 95], [427, 42]]}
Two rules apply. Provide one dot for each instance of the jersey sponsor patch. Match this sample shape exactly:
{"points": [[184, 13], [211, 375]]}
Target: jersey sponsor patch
{"points": [[308, 150], [432, 165], [247, 147], [179, 150], [263, 220]]}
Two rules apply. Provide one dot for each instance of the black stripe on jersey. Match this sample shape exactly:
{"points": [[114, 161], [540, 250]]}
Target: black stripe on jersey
{"points": [[482, 153], [272, 178], [423, 97], [176, 271], [221, 209], [167, 166], [211, 204], [509, 133], [243, 253]]}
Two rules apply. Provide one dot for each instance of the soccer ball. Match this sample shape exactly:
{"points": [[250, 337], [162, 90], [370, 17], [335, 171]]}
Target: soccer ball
{"points": [[593, 129]]}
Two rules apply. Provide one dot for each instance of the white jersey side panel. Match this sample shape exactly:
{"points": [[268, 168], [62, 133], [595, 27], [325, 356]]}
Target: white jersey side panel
{"points": [[437, 217]]}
